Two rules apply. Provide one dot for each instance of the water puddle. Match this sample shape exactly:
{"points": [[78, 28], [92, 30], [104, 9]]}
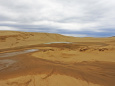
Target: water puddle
{"points": [[57, 42], [17, 53]]}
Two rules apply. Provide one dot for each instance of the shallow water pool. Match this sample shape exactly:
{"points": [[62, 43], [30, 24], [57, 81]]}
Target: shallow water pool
{"points": [[57, 42]]}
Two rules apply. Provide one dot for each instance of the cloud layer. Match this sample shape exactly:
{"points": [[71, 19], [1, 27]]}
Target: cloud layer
{"points": [[59, 16]]}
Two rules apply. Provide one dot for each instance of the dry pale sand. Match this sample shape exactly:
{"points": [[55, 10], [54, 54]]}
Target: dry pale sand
{"points": [[83, 62]]}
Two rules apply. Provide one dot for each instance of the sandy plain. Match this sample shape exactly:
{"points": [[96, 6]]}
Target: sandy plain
{"points": [[79, 62]]}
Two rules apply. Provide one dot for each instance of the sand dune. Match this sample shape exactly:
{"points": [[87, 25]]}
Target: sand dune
{"points": [[45, 59], [10, 39]]}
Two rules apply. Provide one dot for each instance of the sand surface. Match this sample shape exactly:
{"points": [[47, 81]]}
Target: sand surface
{"points": [[44, 59]]}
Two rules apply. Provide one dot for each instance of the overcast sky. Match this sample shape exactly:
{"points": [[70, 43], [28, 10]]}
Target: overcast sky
{"points": [[81, 18]]}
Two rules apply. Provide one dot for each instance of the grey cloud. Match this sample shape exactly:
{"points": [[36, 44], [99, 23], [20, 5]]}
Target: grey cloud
{"points": [[71, 15]]}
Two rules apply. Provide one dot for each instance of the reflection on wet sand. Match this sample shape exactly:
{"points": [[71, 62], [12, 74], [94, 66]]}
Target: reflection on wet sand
{"points": [[17, 53], [6, 63]]}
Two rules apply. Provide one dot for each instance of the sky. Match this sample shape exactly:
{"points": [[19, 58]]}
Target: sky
{"points": [[79, 18]]}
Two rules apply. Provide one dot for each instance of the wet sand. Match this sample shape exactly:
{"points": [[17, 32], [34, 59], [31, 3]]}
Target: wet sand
{"points": [[102, 73]]}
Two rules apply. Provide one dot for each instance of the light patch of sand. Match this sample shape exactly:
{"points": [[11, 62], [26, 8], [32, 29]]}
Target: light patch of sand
{"points": [[39, 80]]}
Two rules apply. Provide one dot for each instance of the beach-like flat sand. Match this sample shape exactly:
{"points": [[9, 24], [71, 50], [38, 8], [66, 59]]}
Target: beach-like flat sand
{"points": [[45, 59]]}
